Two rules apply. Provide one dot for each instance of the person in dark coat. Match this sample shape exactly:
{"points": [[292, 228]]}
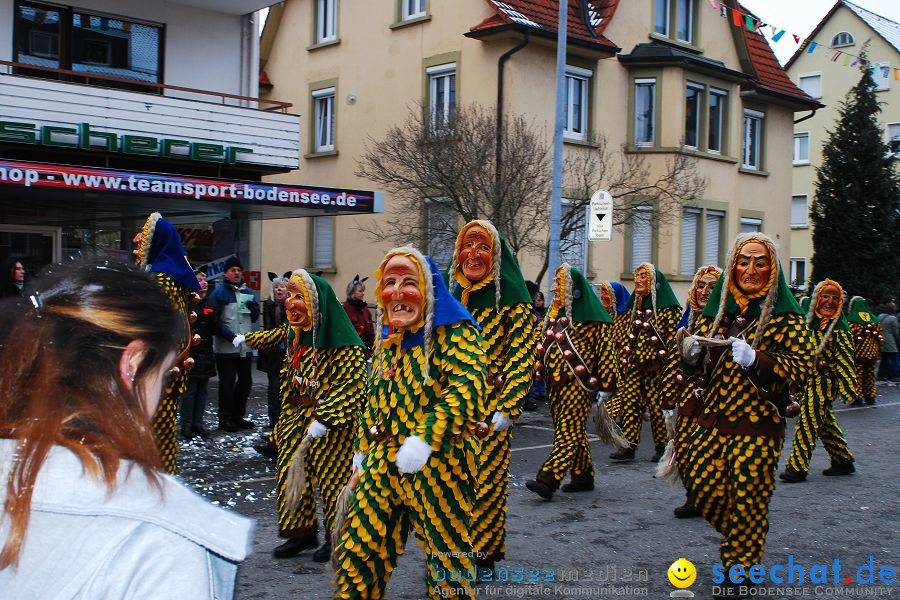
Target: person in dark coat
{"points": [[359, 313], [12, 277], [271, 359], [193, 401]]}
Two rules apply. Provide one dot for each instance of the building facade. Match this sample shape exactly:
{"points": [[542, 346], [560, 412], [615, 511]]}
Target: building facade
{"points": [[846, 28], [658, 78]]}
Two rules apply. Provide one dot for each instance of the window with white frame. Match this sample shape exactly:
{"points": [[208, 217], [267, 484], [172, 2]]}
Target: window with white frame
{"points": [[440, 219], [699, 134], [441, 94], [413, 9], [799, 211], [684, 18], [324, 115], [881, 73], [641, 236], [692, 115], [661, 17], [701, 234], [577, 81], [893, 135], [801, 148], [798, 272], [572, 248], [751, 225], [323, 242], [718, 104], [843, 38], [753, 131], [326, 21], [677, 16], [811, 83], [644, 112]]}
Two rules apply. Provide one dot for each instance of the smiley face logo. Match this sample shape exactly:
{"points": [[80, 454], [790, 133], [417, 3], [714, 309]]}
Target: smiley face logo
{"points": [[682, 573]]}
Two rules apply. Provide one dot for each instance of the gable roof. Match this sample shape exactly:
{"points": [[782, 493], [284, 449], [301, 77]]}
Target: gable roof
{"points": [[541, 17], [884, 27]]}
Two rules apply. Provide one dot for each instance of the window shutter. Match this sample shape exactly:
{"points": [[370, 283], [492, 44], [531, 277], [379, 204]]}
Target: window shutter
{"points": [[713, 231], [641, 237], [323, 242], [689, 219], [798, 211]]}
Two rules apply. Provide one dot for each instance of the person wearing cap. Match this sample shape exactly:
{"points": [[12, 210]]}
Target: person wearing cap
{"points": [[867, 338], [644, 348], [750, 350], [485, 277], [428, 374], [235, 313], [834, 378]]}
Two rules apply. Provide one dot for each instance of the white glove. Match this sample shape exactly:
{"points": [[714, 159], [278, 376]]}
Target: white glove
{"points": [[357, 461], [412, 455], [316, 430], [690, 350], [669, 413], [602, 397], [238, 340], [741, 352], [500, 421]]}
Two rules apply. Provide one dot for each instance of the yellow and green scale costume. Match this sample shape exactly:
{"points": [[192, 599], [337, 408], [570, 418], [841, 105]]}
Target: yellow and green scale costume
{"points": [[621, 318], [590, 332], [834, 377], [323, 379], [161, 253], [435, 501], [867, 334], [729, 464], [507, 325], [648, 338]]}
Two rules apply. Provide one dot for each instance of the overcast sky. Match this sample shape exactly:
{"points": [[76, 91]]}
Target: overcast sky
{"points": [[801, 16]]}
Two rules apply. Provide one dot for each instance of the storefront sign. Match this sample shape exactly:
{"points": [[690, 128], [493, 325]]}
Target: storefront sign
{"points": [[84, 137], [63, 177]]}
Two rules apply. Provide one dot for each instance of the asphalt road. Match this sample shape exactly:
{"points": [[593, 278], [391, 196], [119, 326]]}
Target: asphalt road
{"points": [[617, 541]]}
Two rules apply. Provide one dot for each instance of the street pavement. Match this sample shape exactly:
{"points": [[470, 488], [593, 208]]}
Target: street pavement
{"points": [[616, 541]]}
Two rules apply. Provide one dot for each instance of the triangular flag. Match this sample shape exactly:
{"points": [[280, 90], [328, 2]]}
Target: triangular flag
{"points": [[773, 28], [836, 55], [750, 23], [896, 74], [856, 62], [736, 18], [796, 38], [778, 35], [812, 46], [714, 4], [759, 27], [846, 59]]}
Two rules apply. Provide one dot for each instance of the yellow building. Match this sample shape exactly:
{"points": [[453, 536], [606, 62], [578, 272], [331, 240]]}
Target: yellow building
{"points": [[847, 28], [655, 77]]}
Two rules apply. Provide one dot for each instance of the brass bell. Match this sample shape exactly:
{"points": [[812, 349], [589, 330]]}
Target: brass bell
{"points": [[821, 365], [580, 370], [638, 322], [196, 339], [481, 430], [540, 348], [624, 361], [646, 325], [568, 354], [563, 321], [662, 353], [648, 313], [631, 336], [654, 339], [538, 365], [593, 383], [626, 349], [552, 322], [560, 337], [679, 378], [792, 409], [548, 333], [498, 380], [740, 321]]}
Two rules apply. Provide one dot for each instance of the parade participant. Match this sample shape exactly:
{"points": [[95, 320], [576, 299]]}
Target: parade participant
{"points": [[86, 510], [160, 253], [12, 277], [359, 313], [833, 378], [678, 391], [867, 337], [322, 393], [538, 393], [755, 350], [614, 297], [485, 278], [271, 360], [645, 345], [577, 361], [235, 313], [428, 371], [193, 402]]}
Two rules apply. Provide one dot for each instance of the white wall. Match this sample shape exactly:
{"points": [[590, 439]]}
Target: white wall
{"points": [[202, 48]]}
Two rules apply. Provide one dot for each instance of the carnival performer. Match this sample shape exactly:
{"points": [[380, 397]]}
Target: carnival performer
{"points": [[614, 297], [645, 346], [160, 253], [678, 391], [867, 337], [485, 278], [576, 360], [834, 378], [428, 372], [755, 349], [322, 394]]}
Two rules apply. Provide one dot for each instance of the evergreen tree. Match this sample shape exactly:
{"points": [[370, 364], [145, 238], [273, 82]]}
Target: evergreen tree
{"points": [[854, 213]]}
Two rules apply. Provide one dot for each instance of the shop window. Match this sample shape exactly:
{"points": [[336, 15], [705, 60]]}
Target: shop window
{"points": [[753, 132], [843, 38], [572, 247], [641, 236], [326, 21], [811, 84], [644, 112], [413, 9], [441, 95], [799, 211], [78, 40], [577, 81], [798, 273], [323, 242], [324, 116], [801, 148], [675, 16]]}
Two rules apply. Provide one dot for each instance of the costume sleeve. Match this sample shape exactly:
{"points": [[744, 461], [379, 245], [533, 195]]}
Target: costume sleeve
{"points": [[266, 339], [343, 390], [518, 366], [602, 355], [785, 354], [364, 424], [667, 325], [461, 373], [843, 367]]}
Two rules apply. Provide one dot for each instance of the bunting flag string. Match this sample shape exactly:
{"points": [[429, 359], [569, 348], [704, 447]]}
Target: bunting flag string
{"points": [[740, 18]]}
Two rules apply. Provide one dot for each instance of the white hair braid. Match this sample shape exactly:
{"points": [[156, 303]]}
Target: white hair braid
{"points": [[498, 251], [566, 268], [147, 238], [313, 304]]}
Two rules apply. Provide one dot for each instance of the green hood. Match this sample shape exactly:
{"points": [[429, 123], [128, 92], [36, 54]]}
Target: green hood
{"points": [[512, 284], [804, 304], [665, 296], [786, 302], [334, 328], [586, 306], [860, 312]]}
